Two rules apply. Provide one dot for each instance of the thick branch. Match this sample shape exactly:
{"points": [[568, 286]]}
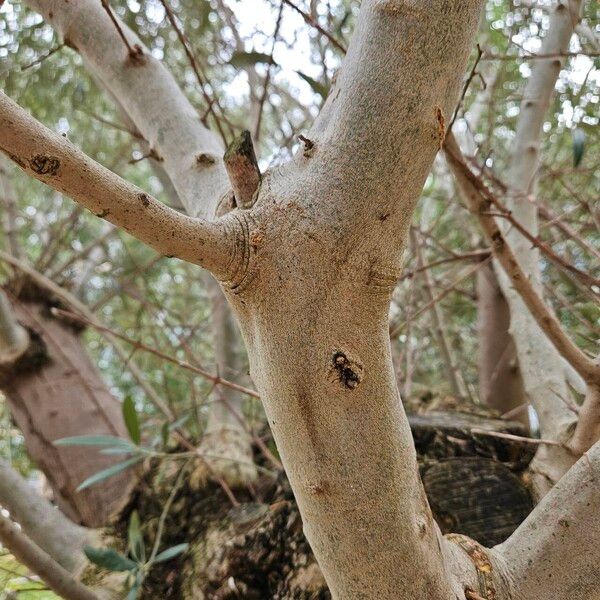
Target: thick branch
{"points": [[54, 533], [553, 554], [52, 159], [150, 96], [372, 144], [328, 231], [34, 558]]}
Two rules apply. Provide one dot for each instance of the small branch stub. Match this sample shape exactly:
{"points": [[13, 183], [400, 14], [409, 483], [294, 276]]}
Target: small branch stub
{"points": [[242, 168]]}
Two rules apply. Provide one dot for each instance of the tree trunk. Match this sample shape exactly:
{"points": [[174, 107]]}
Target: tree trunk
{"points": [[536, 353], [309, 266], [55, 391], [500, 382]]}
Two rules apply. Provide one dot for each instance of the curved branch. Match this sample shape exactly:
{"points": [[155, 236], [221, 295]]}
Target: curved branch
{"points": [[479, 199], [52, 159], [384, 119], [34, 558], [54, 533], [150, 96], [553, 554]]}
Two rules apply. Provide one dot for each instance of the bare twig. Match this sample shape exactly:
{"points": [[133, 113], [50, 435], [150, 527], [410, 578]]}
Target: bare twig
{"points": [[313, 23], [200, 75], [396, 329], [216, 379], [479, 200], [135, 52], [263, 96], [43, 57]]}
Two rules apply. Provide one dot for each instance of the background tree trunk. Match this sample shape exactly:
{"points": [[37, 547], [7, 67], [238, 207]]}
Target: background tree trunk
{"points": [[55, 391], [500, 382]]}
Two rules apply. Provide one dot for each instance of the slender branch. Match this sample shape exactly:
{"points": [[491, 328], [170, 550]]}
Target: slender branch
{"points": [[479, 199], [216, 379], [556, 220], [476, 255], [263, 97], [135, 52], [515, 438], [453, 372], [395, 329], [33, 557], [43, 57], [200, 76], [538, 243], [313, 23], [52, 159]]}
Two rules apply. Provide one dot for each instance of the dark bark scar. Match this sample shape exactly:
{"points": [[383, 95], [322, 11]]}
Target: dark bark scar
{"points": [[348, 371], [45, 165]]}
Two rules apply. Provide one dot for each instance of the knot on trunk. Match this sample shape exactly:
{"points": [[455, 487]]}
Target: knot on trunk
{"points": [[45, 165], [349, 372]]}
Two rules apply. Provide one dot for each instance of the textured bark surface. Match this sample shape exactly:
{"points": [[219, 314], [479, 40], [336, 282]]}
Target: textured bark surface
{"points": [[309, 270], [60, 393], [327, 234]]}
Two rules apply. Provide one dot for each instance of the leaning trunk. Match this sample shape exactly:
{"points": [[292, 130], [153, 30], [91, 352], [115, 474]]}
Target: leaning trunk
{"points": [[55, 391]]}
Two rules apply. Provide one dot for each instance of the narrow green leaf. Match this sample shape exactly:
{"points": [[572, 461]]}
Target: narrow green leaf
{"points": [[120, 450], [317, 86], [249, 59], [131, 419], [164, 432], [136, 540], [134, 591], [93, 440], [578, 145], [170, 553], [110, 472], [109, 559]]}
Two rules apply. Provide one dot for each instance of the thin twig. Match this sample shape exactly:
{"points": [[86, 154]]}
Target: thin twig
{"points": [[216, 379], [396, 329], [468, 81], [135, 52], [316, 25], [42, 58], [516, 438], [267, 76], [200, 75]]}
